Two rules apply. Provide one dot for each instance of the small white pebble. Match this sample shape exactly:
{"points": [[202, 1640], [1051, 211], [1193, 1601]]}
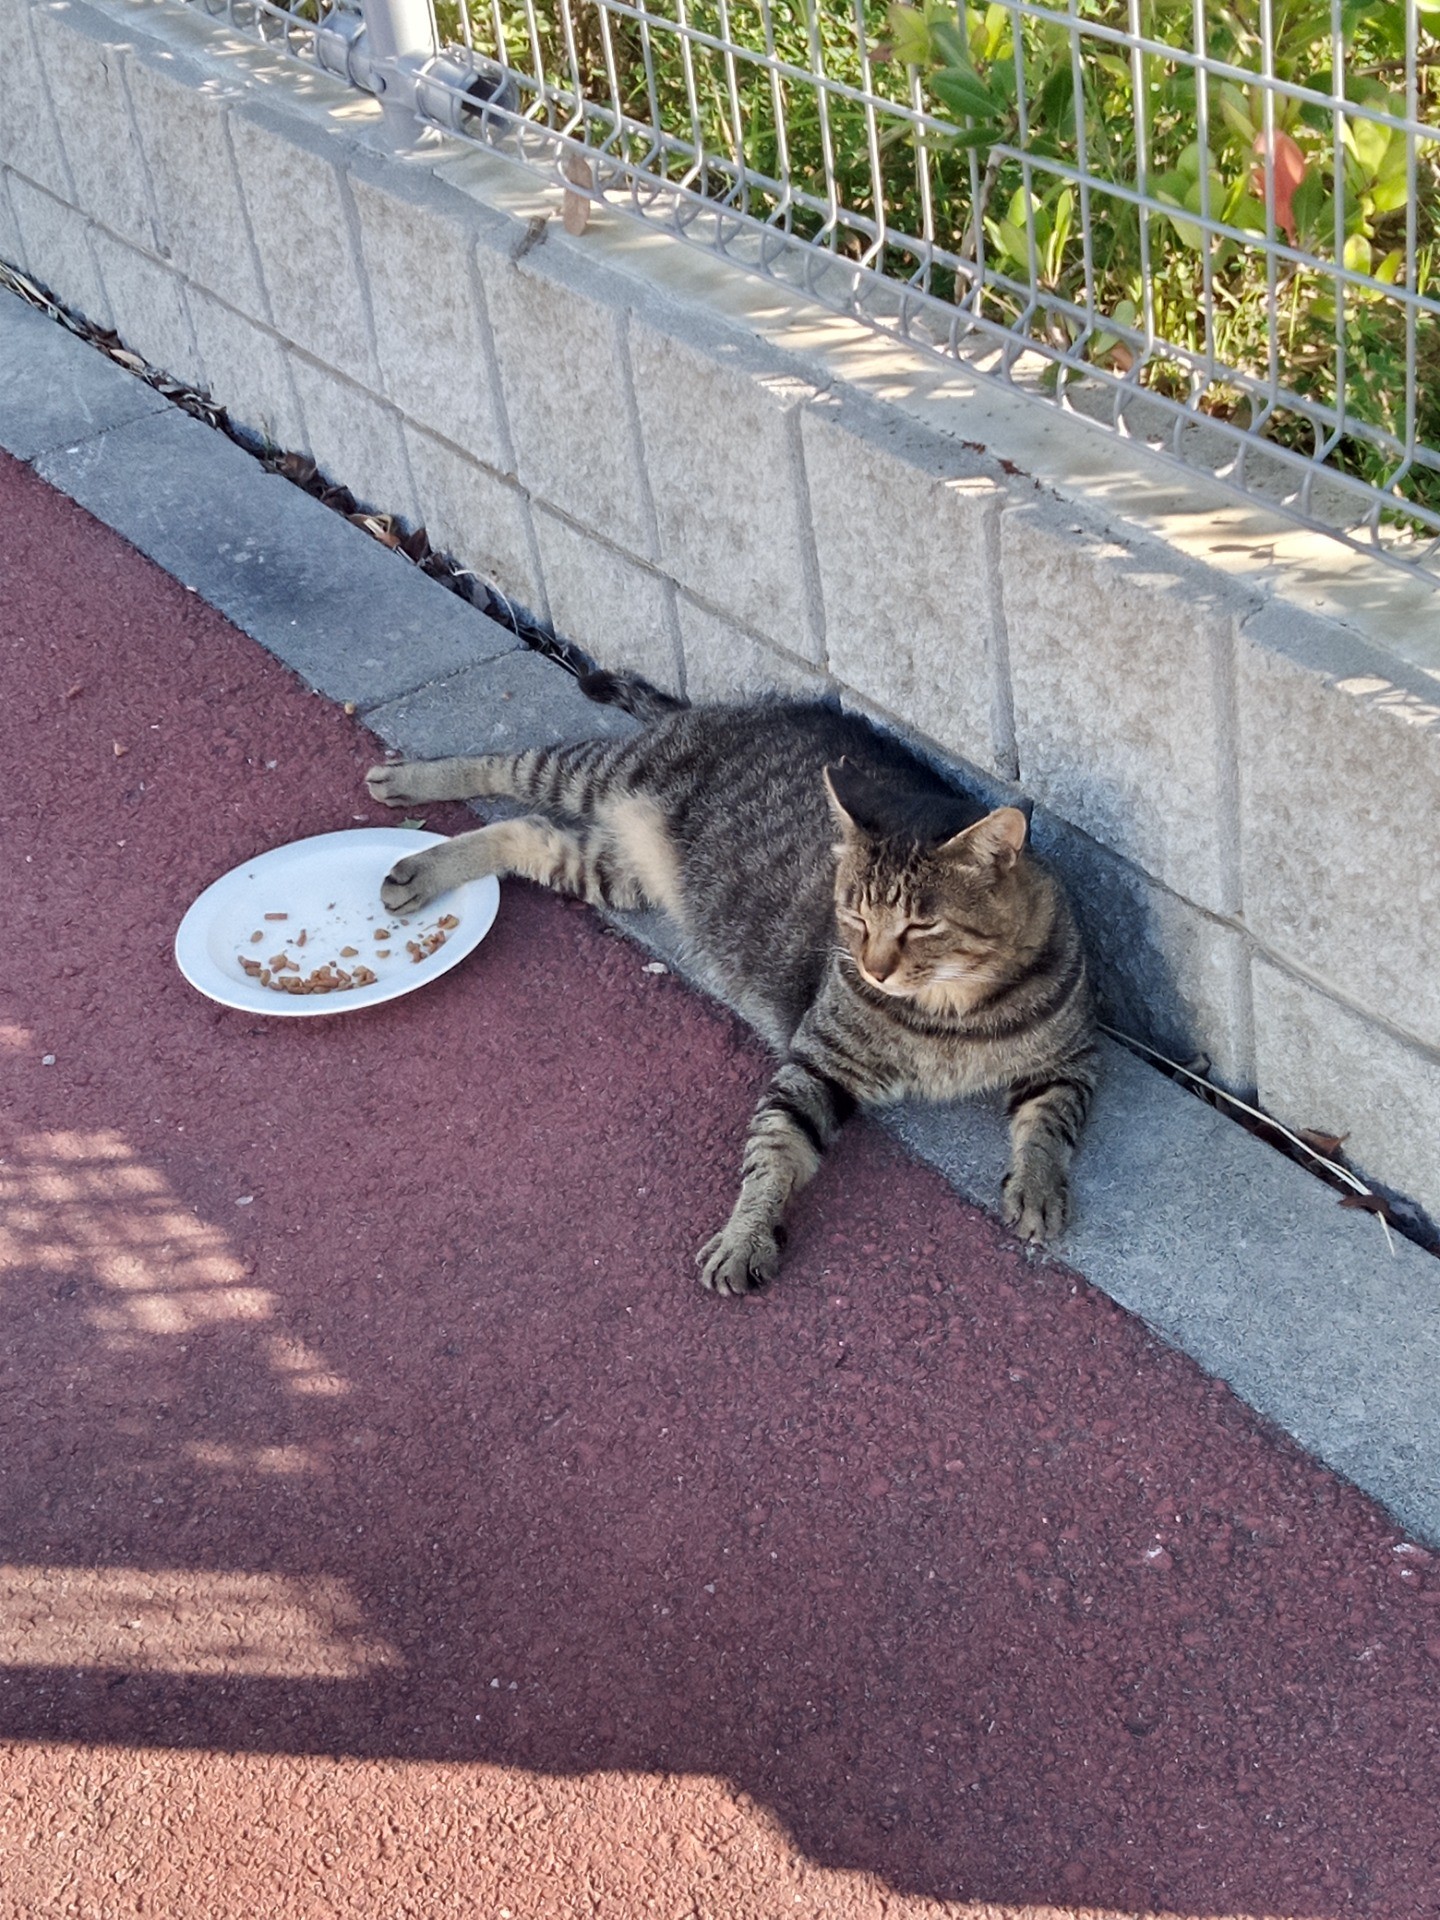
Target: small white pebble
{"points": [[246, 1200], [656, 966], [47, 1060]]}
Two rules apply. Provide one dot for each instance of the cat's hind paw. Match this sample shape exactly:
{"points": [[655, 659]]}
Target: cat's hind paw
{"points": [[1035, 1201], [739, 1259]]}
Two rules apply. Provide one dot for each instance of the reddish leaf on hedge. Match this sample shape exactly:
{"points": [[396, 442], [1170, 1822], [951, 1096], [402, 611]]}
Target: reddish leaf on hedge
{"points": [[1289, 165]]}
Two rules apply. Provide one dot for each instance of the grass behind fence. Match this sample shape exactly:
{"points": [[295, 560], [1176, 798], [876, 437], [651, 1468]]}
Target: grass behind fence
{"points": [[1116, 282]]}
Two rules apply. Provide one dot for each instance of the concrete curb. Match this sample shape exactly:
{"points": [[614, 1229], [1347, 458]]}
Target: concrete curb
{"points": [[1224, 1248]]}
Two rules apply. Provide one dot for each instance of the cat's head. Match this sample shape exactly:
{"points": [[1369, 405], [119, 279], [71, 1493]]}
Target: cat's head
{"points": [[929, 913]]}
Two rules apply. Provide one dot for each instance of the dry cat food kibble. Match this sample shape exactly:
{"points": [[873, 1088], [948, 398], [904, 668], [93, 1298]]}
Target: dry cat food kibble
{"points": [[282, 974]]}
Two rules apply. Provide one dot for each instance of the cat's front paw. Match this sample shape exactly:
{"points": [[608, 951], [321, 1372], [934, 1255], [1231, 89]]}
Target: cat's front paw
{"points": [[739, 1259], [394, 784], [1035, 1200], [411, 883]]}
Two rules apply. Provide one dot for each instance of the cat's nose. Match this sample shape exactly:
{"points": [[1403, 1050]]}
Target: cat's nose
{"points": [[881, 963]]}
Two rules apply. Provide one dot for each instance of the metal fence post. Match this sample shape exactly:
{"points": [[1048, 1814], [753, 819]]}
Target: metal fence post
{"points": [[398, 31]]}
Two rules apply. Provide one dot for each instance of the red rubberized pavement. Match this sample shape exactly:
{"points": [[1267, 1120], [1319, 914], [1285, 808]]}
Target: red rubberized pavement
{"points": [[392, 1526]]}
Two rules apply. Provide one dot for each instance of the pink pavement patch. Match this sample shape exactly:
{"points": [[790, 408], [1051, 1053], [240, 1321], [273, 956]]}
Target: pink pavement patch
{"points": [[360, 1362]]}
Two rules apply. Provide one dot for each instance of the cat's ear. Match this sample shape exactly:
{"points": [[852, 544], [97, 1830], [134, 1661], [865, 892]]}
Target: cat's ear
{"points": [[994, 841], [852, 798]]}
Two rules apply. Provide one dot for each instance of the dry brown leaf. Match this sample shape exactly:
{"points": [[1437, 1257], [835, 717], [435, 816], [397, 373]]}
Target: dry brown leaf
{"points": [[575, 209], [1328, 1144], [1366, 1203]]}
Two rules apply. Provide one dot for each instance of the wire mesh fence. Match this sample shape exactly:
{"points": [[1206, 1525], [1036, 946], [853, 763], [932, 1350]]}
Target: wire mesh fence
{"points": [[1209, 225]]}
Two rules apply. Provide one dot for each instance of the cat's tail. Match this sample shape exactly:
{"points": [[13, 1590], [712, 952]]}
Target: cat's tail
{"points": [[629, 692]]}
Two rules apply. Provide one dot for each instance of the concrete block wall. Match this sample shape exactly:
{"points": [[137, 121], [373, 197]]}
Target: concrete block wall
{"points": [[686, 475]]}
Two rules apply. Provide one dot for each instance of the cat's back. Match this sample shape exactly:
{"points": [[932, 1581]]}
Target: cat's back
{"points": [[741, 791], [764, 760]]}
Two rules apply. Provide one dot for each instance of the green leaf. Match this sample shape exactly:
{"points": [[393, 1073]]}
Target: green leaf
{"points": [[909, 35], [1056, 106], [1055, 249], [1190, 160], [1389, 268], [1387, 195], [975, 136], [1312, 208], [951, 45], [1358, 256], [1367, 141], [964, 94], [997, 25], [1189, 233], [1247, 213], [1235, 111]]}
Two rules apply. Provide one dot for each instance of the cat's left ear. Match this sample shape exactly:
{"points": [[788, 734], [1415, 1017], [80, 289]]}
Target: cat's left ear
{"points": [[852, 798], [994, 841]]}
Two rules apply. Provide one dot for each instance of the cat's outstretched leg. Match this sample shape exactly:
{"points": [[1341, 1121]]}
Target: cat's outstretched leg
{"points": [[564, 778], [410, 783], [1047, 1111], [575, 860], [798, 1116]]}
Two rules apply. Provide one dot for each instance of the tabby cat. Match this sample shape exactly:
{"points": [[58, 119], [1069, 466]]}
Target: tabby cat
{"points": [[884, 934]]}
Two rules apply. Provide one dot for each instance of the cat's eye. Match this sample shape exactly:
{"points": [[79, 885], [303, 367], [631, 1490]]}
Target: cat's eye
{"points": [[924, 929]]}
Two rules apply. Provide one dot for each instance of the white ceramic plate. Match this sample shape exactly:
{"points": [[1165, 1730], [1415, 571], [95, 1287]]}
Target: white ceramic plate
{"points": [[328, 888]]}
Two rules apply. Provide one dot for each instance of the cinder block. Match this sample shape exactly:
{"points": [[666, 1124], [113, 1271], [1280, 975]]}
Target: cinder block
{"points": [[906, 532], [719, 420], [1163, 971], [148, 308], [29, 138], [247, 372], [1323, 1066], [477, 518], [180, 115], [559, 336], [84, 59], [621, 614], [1340, 813], [356, 441], [723, 662], [1120, 666], [300, 217], [436, 359], [58, 255]]}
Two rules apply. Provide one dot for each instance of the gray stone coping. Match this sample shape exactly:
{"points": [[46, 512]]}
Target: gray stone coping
{"points": [[1226, 1249]]}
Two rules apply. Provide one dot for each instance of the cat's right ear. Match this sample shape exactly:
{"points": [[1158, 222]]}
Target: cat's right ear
{"points": [[994, 841]]}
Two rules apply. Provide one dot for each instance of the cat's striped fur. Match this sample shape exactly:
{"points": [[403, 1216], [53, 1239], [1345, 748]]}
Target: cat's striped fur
{"points": [[885, 935]]}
